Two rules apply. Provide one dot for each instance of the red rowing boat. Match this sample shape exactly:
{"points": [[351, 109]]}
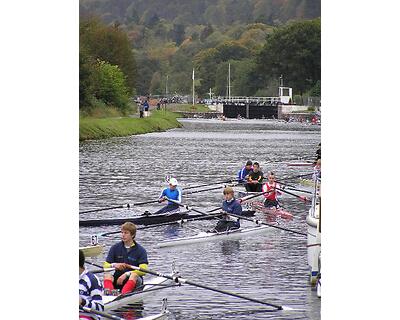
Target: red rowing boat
{"points": [[259, 206]]}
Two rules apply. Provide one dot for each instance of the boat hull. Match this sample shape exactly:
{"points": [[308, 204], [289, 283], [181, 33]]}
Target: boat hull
{"points": [[92, 251], [116, 302], [146, 219], [313, 246], [210, 236], [276, 213]]}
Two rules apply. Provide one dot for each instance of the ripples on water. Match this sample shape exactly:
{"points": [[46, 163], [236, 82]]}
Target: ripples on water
{"points": [[271, 266]]}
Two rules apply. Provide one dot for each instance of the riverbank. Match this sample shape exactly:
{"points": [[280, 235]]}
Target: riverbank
{"points": [[91, 128]]}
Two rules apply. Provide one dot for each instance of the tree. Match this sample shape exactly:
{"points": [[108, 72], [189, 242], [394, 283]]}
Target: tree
{"points": [[111, 86], [294, 51], [110, 44], [86, 78], [208, 29], [177, 33]]}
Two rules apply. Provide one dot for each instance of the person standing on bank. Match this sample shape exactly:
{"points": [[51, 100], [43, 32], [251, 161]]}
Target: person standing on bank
{"points": [[141, 110], [90, 291], [229, 205], [121, 255], [173, 193], [146, 108], [255, 178]]}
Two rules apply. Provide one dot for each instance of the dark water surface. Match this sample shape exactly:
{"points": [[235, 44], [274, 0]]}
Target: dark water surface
{"points": [[271, 266]]}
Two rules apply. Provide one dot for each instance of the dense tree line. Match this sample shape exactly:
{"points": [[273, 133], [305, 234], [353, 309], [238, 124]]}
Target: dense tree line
{"points": [[155, 48], [202, 12], [107, 68]]}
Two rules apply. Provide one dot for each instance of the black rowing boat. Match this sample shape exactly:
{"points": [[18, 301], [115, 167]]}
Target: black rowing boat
{"points": [[148, 218]]}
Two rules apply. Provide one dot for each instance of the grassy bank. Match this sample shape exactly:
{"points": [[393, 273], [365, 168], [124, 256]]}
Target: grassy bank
{"points": [[91, 128]]}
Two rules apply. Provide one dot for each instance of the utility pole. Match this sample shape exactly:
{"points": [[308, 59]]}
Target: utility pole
{"points": [[193, 86], [166, 88], [229, 81], [210, 94]]}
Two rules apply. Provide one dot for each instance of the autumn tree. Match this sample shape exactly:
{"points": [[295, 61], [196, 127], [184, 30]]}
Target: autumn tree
{"points": [[110, 44], [293, 51]]}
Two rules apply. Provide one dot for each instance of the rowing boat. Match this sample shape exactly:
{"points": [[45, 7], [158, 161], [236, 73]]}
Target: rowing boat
{"points": [[163, 313], [150, 285], [300, 164], [259, 206], [209, 236], [147, 219], [92, 251]]}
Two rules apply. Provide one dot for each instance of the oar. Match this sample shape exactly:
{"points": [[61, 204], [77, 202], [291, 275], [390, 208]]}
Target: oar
{"points": [[197, 191], [244, 218], [243, 199], [305, 199], [120, 206], [298, 176], [100, 313], [108, 208], [209, 184], [102, 270], [180, 280], [299, 190], [93, 264], [167, 223]]}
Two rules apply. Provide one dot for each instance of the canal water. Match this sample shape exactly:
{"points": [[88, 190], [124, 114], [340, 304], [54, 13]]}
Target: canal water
{"points": [[270, 266]]}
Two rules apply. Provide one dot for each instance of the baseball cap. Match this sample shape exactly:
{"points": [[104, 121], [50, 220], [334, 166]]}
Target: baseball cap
{"points": [[173, 181]]}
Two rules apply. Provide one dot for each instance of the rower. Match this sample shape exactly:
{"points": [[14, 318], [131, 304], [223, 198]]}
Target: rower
{"points": [[255, 178], [229, 205], [90, 290], [173, 193], [121, 255], [271, 198], [244, 172]]}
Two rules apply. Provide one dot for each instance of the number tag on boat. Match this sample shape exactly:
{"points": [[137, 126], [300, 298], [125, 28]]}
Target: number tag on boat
{"points": [[94, 239]]}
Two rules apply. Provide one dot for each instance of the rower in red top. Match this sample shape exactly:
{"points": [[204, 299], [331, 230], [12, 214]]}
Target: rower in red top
{"points": [[271, 198]]}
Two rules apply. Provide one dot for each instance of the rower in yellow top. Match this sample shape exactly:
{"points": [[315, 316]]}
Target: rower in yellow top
{"points": [[121, 255]]}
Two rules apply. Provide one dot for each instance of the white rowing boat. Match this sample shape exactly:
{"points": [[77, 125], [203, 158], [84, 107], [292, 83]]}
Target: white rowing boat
{"points": [[92, 251], [163, 313], [116, 302], [209, 236]]}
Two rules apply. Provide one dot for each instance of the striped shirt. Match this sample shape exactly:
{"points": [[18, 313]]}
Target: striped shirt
{"points": [[90, 290]]}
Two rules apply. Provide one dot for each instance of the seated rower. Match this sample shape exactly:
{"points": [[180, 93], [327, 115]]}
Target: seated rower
{"points": [[255, 178], [173, 193], [271, 198], [121, 255], [244, 172], [229, 205], [90, 291]]}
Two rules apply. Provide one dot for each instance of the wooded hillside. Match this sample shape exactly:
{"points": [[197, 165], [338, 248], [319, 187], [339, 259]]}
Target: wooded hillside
{"points": [[261, 39]]}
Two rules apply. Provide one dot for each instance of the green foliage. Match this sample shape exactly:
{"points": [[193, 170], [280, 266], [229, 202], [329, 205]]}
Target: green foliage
{"points": [[171, 37], [108, 43], [316, 90], [111, 87], [177, 33], [294, 51], [86, 78]]}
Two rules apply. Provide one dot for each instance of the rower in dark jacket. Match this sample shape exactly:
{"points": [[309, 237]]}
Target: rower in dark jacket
{"points": [[121, 256], [229, 205]]}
